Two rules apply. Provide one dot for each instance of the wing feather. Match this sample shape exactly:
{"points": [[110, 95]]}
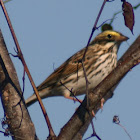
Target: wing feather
{"points": [[69, 67]]}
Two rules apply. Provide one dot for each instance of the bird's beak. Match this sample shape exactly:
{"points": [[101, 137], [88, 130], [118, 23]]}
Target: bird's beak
{"points": [[123, 38]]}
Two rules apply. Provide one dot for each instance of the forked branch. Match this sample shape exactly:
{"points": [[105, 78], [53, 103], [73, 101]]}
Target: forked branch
{"points": [[81, 117]]}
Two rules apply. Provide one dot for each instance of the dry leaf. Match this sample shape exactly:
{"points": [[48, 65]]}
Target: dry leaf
{"points": [[128, 14]]}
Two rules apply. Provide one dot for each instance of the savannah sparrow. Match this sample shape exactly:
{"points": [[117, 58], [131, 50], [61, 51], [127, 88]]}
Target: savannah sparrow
{"points": [[100, 60]]}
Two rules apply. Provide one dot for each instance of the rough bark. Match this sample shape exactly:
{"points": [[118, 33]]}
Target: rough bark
{"points": [[78, 123], [17, 117]]}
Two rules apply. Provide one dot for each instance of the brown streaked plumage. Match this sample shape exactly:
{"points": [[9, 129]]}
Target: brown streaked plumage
{"points": [[100, 60]]}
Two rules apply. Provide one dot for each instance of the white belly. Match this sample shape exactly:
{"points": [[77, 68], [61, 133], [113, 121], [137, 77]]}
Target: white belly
{"points": [[94, 78]]}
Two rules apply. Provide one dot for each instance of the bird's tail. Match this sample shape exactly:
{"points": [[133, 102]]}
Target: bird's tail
{"points": [[32, 99]]}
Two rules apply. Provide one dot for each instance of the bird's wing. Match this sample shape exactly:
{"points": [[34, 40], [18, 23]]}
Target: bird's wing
{"points": [[72, 65]]}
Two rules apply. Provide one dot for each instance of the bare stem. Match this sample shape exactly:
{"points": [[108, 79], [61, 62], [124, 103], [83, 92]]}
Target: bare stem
{"points": [[125, 131], [93, 29], [20, 55]]}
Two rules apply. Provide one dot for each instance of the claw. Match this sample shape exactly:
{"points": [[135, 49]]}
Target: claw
{"points": [[93, 113], [102, 103], [73, 98]]}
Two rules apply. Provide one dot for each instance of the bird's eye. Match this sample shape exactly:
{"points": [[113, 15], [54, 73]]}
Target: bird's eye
{"points": [[109, 36]]}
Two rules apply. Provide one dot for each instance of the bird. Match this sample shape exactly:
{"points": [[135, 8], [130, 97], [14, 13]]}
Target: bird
{"points": [[69, 79]]}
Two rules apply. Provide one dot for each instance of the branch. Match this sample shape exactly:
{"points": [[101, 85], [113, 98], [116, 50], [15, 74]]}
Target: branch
{"points": [[20, 56], [82, 117], [18, 120]]}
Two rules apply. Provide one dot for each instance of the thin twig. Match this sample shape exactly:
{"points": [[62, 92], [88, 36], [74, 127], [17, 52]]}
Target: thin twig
{"points": [[135, 7], [114, 17], [93, 29], [51, 132], [87, 83], [70, 92], [125, 131], [116, 120], [6, 1]]}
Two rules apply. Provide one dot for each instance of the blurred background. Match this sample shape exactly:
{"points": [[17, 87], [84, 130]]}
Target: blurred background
{"points": [[49, 32]]}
